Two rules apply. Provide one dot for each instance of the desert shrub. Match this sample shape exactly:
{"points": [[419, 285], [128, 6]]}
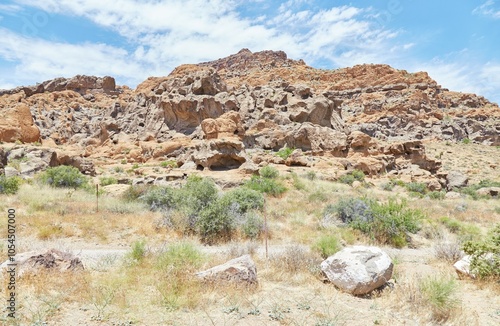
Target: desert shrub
{"points": [[246, 199], [466, 141], [448, 251], [252, 225], [465, 231], [160, 198], [285, 152], [437, 195], [63, 176], [351, 210], [183, 257], [197, 194], [387, 223], [269, 172], [311, 175], [216, 223], [319, 195], [297, 182], [134, 192], [387, 186], [106, 181], [294, 259], [170, 163], [9, 185], [327, 245], [355, 175], [269, 186], [485, 255], [418, 187], [137, 252], [440, 295]]}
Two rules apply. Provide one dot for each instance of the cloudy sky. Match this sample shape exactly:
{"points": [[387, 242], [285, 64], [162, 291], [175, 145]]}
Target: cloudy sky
{"points": [[457, 42]]}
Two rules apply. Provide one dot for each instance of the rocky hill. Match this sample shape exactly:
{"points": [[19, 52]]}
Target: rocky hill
{"points": [[229, 113]]}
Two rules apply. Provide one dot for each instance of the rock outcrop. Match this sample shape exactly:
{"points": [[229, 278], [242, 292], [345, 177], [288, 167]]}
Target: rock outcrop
{"points": [[358, 270], [211, 114]]}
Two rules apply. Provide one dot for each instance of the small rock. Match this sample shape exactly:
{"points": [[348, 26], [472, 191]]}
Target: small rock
{"points": [[456, 179], [241, 270], [452, 195]]}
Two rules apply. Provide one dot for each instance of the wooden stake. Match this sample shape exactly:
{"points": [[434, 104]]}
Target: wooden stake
{"points": [[97, 197], [265, 235]]}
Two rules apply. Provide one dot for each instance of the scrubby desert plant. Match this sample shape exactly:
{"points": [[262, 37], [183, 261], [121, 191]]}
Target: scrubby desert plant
{"points": [[106, 181], [285, 152], [252, 225], [416, 187], [160, 198], [485, 255], [9, 185], [216, 223], [269, 172], [355, 175], [440, 295], [327, 245], [63, 176], [385, 222], [246, 199], [268, 186]]}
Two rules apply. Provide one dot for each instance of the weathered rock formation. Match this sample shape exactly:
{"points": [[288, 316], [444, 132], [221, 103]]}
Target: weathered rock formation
{"points": [[211, 114]]}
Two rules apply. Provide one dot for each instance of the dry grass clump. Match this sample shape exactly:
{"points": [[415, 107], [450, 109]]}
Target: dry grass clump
{"points": [[450, 252], [433, 299]]}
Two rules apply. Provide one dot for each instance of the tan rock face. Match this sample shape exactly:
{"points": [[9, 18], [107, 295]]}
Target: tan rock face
{"points": [[17, 124]]}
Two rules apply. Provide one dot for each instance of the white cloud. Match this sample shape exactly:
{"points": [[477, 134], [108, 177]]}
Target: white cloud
{"points": [[40, 60], [458, 73], [9, 8], [487, 9], [164, 34]]}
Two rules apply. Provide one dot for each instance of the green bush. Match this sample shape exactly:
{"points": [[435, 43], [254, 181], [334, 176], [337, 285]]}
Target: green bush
{"points": [[245, 199], [285, 152], [297, 182], [355, 175], [170, 163], [216, 223], [160, 198], [138, 251], [387, 223], [269, 172], [183, 257], [327, 245], [252, 226], [9, 185], [440, 294], [106, 181], [418, 187], [311, 175], [437, 195], [352, 210], [64, 176], [485, 255], [266, 185], [134, 192], [197, 194]]}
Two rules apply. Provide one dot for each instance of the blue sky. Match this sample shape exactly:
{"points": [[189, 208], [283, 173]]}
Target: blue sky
{"points": [[457, 42]]}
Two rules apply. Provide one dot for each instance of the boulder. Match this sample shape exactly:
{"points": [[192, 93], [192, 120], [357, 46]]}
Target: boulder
{"points": [[456, 179], [452, 195], [241, 270], [51, 260], [462, 267], [359, 269], [3, 161], [489, 191]]}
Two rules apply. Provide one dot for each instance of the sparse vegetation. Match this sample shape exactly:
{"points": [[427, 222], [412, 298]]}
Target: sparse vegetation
{"points": [[106, 181], [327, 245], [9, 185], [285, 152], [64, 177], [267, 182], [485, 255], [355, 175], [440, 295], [385, 222]]}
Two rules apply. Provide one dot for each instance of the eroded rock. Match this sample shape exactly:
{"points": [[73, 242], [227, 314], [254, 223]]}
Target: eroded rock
{"points": [[241, 270]]}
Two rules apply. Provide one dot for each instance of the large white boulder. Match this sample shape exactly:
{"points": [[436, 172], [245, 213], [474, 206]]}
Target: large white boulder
{"points": [[359, 269]]}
